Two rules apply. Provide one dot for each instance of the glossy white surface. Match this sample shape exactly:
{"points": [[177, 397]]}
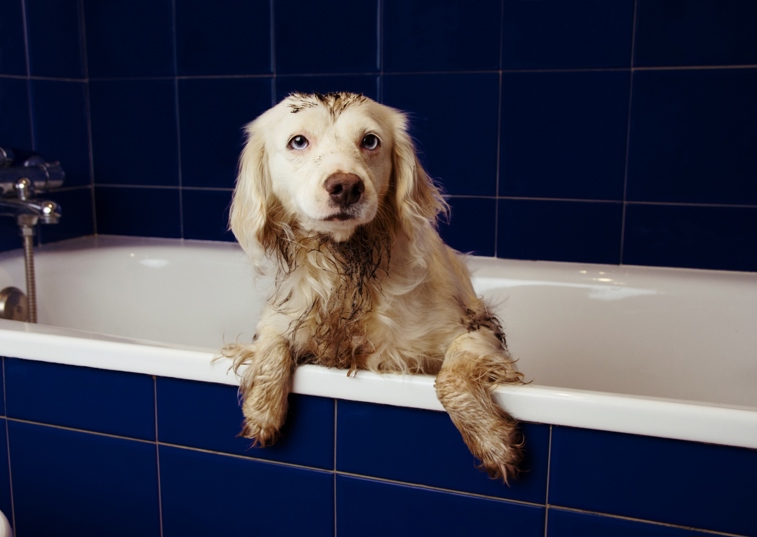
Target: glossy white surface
{"points": [[662, 352]]}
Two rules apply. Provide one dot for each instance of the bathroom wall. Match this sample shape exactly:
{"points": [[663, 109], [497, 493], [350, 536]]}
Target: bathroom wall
{"points": [[614, 131]]}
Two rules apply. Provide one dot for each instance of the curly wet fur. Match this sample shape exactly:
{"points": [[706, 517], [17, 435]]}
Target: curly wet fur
{"points": [[356, 292]]}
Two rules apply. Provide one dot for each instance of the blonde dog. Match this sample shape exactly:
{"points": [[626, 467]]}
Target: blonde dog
{"points": [[331, 197]]}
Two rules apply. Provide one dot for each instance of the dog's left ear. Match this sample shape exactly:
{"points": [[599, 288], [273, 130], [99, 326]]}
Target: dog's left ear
{"points": [[419, 201], [252, 212]]}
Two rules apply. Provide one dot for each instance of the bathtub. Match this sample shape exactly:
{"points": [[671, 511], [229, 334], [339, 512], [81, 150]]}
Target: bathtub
{"points": [[649, 351]]}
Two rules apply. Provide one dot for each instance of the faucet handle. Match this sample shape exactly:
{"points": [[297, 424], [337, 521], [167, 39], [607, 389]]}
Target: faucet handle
{"points": [[24, 188]]}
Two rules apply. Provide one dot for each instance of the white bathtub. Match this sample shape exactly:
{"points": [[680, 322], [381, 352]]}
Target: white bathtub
{"points": [[660, 352]]}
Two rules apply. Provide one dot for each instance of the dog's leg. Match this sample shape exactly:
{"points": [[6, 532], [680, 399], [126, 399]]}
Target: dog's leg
{"points": [[474, 365], [264, 385]]}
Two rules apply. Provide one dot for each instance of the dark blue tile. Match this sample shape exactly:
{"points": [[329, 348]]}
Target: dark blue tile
{"points": [[208, 416], [555, 34], [129, 38], [59, 112], [339, 36], [209, 494], [205, 214], [140, 212], [365, 84], [547, 230], [564, 134], [12, 40], [2, 386], [54, 33], [424, 447], [134, 134], [569, 524], [81, 397], [9, 239], [15, 128], [693, 134], [77, 218], [689, 236], [213, 114], [225, 37], [5, 479], [72, 483], [471, 226], [410, 511], [654, 479], [453, 117], [695, 32], [448, 35]]}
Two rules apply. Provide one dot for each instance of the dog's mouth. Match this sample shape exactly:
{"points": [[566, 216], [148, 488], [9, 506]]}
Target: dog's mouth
{"points": [[339, 217]]}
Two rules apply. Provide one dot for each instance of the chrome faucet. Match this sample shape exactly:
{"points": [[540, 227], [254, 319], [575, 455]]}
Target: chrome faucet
{"points": [[18, 184]]}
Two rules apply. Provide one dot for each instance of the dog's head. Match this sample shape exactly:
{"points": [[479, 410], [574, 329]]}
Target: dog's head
{"points": [[326, 165]]}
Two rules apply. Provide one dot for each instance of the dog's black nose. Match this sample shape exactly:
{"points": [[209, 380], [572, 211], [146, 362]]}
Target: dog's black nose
{"points": [[344, 188]]}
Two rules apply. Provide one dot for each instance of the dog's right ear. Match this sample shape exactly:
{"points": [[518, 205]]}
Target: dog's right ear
{"points": [[253, 202]]}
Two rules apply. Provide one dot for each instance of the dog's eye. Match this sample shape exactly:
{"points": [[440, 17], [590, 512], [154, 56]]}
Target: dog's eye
{"points": [[370, 142], [298, 143]]}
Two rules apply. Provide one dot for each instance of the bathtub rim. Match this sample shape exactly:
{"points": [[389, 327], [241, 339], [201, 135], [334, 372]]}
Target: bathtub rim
{"points": [[631, 414]]}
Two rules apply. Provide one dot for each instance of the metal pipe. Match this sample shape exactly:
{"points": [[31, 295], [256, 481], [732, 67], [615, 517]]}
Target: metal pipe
{"points": [[27, 234]]}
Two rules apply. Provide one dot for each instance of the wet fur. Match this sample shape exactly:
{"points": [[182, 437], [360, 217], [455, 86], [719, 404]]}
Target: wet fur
{"points": [[357, 294]]}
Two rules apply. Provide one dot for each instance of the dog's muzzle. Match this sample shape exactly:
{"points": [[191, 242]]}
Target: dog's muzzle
{"points": [[344, 189]]}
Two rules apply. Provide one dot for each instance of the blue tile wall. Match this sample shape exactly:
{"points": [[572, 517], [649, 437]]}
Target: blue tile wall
{"points": [[93, 452], [648, 105]]}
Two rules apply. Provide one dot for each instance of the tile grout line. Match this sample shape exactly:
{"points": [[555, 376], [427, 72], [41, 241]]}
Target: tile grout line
{"points": [[628, 140], [546, 490], [646, 521], [157, 452], [8, 445]]}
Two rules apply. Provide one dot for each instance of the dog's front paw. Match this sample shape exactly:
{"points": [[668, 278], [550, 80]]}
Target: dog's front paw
{"points": [[500, 453], [262, 435]]}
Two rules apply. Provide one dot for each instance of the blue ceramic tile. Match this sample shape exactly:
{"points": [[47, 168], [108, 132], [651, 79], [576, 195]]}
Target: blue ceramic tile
{"points": [[368, 508], [208, 416], [548, 230], [213, 114], [129, 38], [72, 483], [9, 239], [54, 33], [15, 128], [693, 134], [453, 117], [205, 214], [209, 494], [140, 212], [424, 447], [77, 218], [564, 134], [225, 37], [695, 32], [569, 524], [448, 35], [2, 386], [338, 36], [59, 111], [555, 34], [134, 134], [12, 40], [654, 479], [81, 397], [471, 226], [690, 236], [365, 84], [5, 482]]}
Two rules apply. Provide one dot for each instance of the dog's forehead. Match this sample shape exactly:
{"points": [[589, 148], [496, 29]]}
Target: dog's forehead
{"points": [[324, 111]]}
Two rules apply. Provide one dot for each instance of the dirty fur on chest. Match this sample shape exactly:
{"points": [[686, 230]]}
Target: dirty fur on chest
{"points": [[343, 286]]}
